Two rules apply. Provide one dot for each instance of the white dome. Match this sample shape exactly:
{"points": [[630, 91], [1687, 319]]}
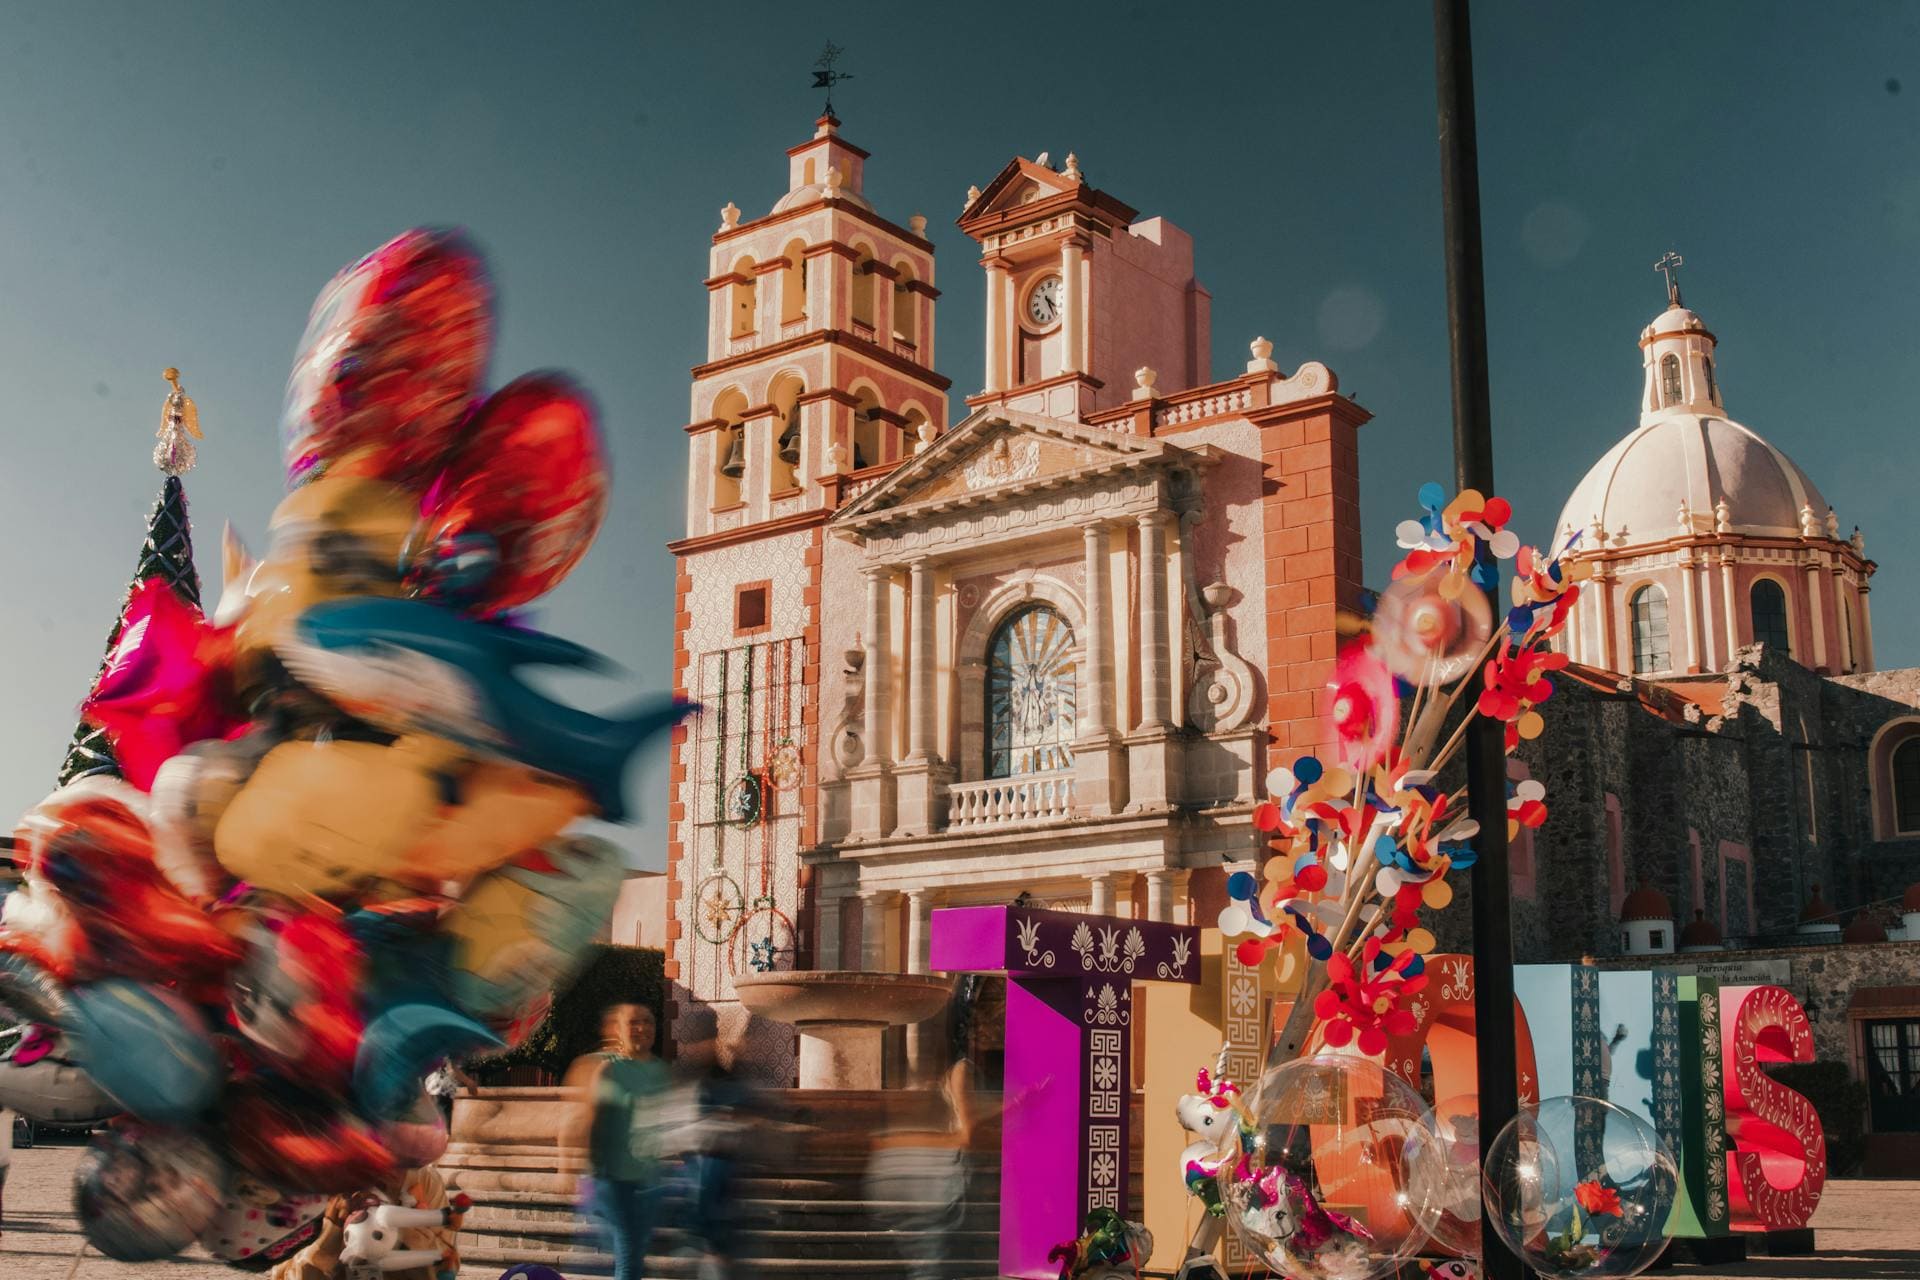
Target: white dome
{"points": [[1677, 456], [1675, 319]]}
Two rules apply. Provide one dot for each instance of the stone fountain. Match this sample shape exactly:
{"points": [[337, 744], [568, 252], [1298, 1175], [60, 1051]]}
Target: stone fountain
{"points": [[842, 1017]]}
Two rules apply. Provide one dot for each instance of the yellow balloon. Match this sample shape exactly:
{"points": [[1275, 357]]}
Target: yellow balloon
{"points": [[503, 810], [324, 818]]}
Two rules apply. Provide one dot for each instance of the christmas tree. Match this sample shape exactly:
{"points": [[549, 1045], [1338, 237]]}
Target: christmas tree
{"points": [[167, 554]]}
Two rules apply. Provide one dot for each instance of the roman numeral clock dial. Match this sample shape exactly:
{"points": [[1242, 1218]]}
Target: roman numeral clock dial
{"points": [[1043, 303]]}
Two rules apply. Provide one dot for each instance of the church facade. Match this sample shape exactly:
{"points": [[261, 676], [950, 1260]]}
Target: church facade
{"points": [[1042, 649]]}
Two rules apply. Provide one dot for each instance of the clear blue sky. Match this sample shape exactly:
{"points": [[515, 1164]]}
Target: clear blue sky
{"points": [[179, 181]]}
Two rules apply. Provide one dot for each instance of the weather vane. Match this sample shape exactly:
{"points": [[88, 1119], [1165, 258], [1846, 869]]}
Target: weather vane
{"points": [[825, 77], [1669, 266]]}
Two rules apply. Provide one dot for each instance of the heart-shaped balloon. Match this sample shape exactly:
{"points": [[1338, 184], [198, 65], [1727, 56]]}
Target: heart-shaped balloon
{"points": [[392, 359], [519, 504]]}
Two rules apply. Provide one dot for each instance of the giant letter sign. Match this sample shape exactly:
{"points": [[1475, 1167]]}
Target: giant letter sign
{"points": [[1779, 1159]]}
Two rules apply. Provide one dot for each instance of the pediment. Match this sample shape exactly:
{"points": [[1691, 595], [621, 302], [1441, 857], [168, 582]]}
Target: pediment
{"points": [[997, 454], [1022, 182]]}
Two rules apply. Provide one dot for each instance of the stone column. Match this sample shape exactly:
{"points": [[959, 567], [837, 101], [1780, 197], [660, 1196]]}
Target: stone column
{"points": [[997, 282], [1166, 894], [1605, 582], [1689, 596], [1846, 650], [872, 778], [1730, 599], [879, 667], [1101, 898], [1097, 701], [1814, 620], [1156, 690], [1073, 325], [1865, 639], [826, 932], [875, 911], [920, 710], [1099, 761], [921, 1036], [1154, 757]]}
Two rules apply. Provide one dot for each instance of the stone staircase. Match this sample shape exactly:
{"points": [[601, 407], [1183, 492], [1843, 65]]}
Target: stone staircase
{"points": [[803, 1211]]}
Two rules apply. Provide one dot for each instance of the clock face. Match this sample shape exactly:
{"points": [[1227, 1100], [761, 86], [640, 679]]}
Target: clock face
{"points": [[1043, 304]]}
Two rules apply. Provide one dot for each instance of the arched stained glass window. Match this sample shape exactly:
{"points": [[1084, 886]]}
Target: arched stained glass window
{"points": [[1651, 650], [1031, 708], [1770, 615], [1669, 380]]}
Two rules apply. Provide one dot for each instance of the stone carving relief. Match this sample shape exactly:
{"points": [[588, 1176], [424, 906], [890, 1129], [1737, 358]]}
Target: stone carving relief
{"points": [[1004, 463], [1221, 687], [848, 747]]}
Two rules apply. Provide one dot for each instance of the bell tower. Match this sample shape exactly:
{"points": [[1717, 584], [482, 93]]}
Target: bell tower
{"points": [[818, 380], [820, 331]]}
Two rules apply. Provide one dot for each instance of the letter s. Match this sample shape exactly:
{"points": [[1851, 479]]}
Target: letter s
{"points": [[1777, 1151]]}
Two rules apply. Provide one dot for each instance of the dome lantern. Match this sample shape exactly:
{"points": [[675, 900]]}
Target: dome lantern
{"points": [[1646, 920]]}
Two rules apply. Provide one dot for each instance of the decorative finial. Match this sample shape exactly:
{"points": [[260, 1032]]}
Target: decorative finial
{"points": [[1686, 517], [1833, 524], [1262, 352], [1072, 172], [179, 419], [729, 216], [1143, 379], [1722, 517], [1809, 522], [1669, 266], [825, 77], [1041, 160], [918, 225], [924, 436], [834, 179], [973, 193], [1859, 541]]}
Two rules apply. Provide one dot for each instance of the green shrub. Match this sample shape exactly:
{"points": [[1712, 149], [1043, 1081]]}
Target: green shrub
{"points": [[1841, 1103], [610, 975]]}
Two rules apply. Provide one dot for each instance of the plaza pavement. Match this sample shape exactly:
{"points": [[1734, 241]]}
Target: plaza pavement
{"points": [[1867, 1231]]}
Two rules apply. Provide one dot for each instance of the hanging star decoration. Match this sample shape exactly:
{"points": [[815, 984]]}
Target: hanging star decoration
{"points": [[761, 960]]}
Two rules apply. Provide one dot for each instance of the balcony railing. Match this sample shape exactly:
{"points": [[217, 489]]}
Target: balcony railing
{"points": [[1006, 802]]}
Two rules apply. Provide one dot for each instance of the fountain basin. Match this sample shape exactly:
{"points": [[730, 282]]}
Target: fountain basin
{"points": [[842, 1016]]}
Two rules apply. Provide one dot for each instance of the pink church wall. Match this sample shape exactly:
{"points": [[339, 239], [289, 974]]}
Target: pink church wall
{"points": [[1148, 310]]}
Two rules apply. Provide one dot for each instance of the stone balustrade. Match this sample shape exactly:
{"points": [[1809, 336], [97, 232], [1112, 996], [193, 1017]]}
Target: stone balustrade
{"points": [[1006, 802]]}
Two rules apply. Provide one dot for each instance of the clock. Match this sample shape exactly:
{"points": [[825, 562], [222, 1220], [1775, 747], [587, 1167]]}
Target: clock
{"points": [[1043, 303]]}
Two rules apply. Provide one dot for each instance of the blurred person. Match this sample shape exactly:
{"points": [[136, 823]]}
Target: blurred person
{"points": [[614, 1117], [706, 1135], [416, 1189], [920, 1161], [7, 1121], [445, 1081]]}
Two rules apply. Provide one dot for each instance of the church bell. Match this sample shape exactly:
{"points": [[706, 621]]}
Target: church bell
{"points": [[735, 465], [790, 445]]}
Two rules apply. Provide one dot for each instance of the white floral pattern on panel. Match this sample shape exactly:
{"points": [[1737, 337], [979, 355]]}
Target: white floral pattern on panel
{"points": [[1176, 968], [1029, 933]]}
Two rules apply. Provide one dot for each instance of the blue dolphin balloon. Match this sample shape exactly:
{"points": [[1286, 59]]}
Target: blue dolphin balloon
{"points": [[411, 666]]}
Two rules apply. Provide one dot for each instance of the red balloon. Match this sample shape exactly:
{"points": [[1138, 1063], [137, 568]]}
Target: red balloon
{"points": [[300, 1146], [166, 684], [519, 504], [392, 359]]}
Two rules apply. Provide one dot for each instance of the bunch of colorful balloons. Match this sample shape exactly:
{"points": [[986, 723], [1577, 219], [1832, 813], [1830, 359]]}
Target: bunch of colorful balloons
{"points": [[339, 852]]}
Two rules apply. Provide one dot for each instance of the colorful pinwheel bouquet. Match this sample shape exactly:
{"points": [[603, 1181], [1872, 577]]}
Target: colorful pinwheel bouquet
{"points": [[1364, 841]]}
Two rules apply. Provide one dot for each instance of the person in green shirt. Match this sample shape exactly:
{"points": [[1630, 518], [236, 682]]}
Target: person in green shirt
{"points": [[612, 1120]]}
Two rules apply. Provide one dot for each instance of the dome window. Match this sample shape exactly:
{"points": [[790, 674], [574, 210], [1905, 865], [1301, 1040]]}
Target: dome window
{"points": [[1669, 380], [1769, 607], [1713, 388], [1651, 650]]}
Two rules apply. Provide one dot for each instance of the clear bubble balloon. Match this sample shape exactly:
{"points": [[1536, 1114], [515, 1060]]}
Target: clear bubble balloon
{"points": [[1319, 1189], [1580, 1188], [143, 1192], [1444, 1186]]}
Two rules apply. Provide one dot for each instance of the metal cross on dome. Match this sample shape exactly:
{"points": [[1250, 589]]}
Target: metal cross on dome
{"points": [[1669, 266], [825, 77]]}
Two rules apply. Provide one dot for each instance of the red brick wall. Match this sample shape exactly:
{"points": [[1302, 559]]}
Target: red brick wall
{"points": [[1311, 521]]}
